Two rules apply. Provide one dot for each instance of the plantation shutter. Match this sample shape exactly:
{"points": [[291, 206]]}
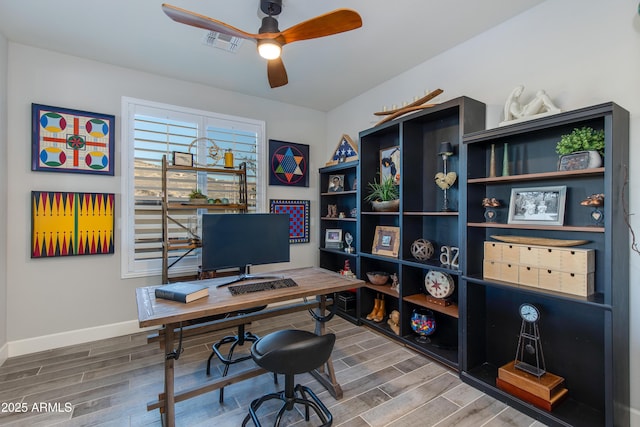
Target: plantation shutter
{"points": [[156, 135]]}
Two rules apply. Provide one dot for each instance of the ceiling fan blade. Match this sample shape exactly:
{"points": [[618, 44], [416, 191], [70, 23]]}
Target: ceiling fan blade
{"points": [[276, 73], [334, 22], [200, 21]]}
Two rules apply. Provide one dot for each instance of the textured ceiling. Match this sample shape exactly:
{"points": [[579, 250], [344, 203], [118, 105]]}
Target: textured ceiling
{"points": [[323, 73]]}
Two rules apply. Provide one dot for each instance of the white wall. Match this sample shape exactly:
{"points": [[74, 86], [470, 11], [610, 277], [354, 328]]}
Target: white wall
{"points": [[3, 199], [581, 52], [58, 301]]}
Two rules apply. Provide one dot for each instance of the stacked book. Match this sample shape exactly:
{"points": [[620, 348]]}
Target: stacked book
{"points": [[544, 392]]}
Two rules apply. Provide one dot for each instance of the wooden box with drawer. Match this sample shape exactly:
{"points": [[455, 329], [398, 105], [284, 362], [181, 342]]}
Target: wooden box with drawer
{"points": [[567, 270]]}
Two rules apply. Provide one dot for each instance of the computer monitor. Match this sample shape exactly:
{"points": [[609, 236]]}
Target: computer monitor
{"points": [[242, 240]]}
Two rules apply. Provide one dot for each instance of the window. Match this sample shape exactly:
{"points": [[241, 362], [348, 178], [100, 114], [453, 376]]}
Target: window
{"points": [[150, 131]]}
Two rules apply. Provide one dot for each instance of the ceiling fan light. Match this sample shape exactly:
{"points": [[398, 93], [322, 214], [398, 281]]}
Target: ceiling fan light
{"points": [[269, 49]]}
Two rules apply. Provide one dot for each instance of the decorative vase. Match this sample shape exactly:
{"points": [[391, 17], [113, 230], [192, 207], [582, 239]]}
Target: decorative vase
{"points": [[595, 159], [492, 162], [505, 160], [386, 206], [423, 323]]}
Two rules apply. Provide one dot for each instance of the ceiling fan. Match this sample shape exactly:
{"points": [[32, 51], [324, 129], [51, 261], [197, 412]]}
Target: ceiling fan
{"points": [[269, 38]]}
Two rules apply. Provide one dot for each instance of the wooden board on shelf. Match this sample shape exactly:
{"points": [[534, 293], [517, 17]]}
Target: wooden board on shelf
{"points": [[421, 300], [539, 241]]}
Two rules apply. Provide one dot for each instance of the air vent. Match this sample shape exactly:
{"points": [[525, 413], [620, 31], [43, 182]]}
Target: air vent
{"points": [[222, 41]]}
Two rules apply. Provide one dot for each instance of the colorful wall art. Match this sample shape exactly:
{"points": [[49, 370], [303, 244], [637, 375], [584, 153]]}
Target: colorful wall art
{"points": [[65, 140], [289, 164], [66, 224], [298, 211]]}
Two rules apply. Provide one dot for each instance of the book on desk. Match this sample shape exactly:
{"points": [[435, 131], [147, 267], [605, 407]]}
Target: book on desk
{"points": [[182, 291]]}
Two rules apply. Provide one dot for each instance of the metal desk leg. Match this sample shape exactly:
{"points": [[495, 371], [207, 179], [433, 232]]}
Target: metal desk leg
{"points": [[326, 375], [169, 398]]}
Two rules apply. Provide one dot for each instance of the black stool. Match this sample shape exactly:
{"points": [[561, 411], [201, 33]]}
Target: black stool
{"points": [[292, 352], [235, 340]]}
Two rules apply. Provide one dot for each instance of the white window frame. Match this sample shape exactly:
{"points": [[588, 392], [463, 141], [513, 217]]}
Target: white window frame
{"points": [[130, 267]]}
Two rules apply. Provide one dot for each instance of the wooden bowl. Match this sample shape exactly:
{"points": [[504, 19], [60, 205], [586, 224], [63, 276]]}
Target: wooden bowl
{"points": [[378, 277]]}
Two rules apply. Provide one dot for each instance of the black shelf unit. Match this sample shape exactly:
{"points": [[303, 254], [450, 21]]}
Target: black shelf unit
{"points": [[418, 136], [585, 338], [347, 203]]}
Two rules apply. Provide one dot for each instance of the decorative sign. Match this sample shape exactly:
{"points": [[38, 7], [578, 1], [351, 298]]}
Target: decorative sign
{"points": [[66, 224], [65, 140], [289, 164], [298, 211]]}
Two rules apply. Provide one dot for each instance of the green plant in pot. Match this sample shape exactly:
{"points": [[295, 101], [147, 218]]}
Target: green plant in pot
{"points": [[197, 195], [383, 195], [582, 139]]}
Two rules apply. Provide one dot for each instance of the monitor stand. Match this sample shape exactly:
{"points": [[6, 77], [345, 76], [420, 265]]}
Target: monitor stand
{"points": [[247, 276]]}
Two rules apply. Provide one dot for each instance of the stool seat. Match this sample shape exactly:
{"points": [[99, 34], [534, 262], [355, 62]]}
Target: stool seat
{"points": [[292, 352]]}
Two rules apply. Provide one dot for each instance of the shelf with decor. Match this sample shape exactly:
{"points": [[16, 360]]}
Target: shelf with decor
{"points": [[578, 281], [338, 214], [409, 150], [226, 191]]}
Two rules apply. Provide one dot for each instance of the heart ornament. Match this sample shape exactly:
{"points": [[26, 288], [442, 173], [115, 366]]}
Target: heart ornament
{"points": [[445, 181]]}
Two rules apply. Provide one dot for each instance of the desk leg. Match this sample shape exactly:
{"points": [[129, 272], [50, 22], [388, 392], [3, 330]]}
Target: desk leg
{"points": [[169, 397], [326, 375]]}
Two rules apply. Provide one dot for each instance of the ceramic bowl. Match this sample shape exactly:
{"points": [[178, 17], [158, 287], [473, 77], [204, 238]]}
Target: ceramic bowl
{"points": [[378, 277]]}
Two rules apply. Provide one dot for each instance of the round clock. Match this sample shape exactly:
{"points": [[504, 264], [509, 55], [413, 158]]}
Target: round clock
{"points": [[529, 313], [439, 284]]}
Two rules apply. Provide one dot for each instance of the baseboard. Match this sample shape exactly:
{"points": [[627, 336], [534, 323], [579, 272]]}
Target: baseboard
{"points": [[63, 339], [635, 418], [4, 353]]}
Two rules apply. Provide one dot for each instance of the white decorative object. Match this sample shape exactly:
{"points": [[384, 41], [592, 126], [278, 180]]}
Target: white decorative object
{"points": [[515, 111]]}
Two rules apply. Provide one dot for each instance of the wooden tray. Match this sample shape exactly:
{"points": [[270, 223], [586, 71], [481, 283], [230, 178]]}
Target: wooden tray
{"points": [[540, 241]]}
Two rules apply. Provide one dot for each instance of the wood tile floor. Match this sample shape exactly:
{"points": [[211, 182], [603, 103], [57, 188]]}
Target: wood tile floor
{"points": [[109, 382]]}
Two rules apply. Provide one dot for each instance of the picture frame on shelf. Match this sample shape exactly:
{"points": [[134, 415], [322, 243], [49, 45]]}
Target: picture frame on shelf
{"points": [[386, 241], [182, 159], [336, 184], [333, 238], [537, 205], [390, 164]]}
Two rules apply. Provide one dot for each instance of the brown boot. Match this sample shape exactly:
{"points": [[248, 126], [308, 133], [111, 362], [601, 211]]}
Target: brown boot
{"points": [[376, 306], [381, 313]]}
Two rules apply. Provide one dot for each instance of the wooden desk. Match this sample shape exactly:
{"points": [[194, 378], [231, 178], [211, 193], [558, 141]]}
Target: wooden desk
{"points": [[171, 316]]}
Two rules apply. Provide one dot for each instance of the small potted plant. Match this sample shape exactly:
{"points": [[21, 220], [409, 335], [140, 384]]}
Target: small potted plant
{"points": [[196, 196], [584, 139], [383, 195]]}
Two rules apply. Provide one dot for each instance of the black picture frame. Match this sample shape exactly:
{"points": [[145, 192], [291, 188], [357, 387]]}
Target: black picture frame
{"points": [[288, 164]]}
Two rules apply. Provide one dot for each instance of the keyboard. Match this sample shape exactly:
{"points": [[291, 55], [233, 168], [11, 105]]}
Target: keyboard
{"points": [[248, 288]]}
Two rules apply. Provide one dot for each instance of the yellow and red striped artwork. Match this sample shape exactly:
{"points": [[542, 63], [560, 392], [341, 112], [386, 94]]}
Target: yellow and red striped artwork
{"points": [[66, 224]]}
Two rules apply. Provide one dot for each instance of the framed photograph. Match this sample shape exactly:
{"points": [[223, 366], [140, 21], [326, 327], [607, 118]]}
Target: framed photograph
{"points": [[298, 211], [336, 184], [390, 164], [537, 205], [386, 241], [65, 140], [289, 164], [182, 159]]}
